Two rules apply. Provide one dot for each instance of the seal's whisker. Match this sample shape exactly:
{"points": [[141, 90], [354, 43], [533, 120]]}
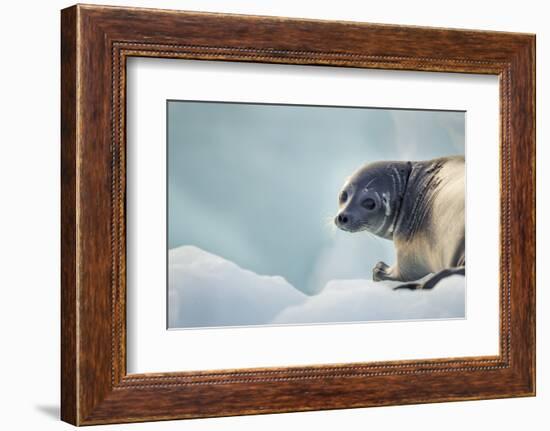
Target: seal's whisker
{"points": [[329, 220], [376, 237], [329, 223], [365, 228]]}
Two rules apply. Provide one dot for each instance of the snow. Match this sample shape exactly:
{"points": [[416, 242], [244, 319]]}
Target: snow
{"points": [[366, 300], [206, 290]]}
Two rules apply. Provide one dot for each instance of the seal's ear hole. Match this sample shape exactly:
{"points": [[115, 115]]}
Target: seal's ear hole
{"points": [[369, 204]]}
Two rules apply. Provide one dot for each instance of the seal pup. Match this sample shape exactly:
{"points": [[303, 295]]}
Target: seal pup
{"points": [[420, 207]]}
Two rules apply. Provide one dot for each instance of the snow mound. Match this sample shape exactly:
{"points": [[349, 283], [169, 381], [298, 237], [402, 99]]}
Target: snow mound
{"points": [[206, 290], [366, 300]]}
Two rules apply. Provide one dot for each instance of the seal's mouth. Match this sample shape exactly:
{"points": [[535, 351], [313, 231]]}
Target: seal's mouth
{"points": [[350, 227]]}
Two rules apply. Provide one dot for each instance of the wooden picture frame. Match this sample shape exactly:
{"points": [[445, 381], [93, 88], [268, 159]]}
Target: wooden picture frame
{"points": [[95, 43]]}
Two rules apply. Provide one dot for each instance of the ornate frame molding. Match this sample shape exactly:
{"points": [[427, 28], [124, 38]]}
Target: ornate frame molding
{"points": [[96, 41]]}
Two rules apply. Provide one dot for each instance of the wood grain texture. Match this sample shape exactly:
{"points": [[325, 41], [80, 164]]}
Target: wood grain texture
{"points": [[69, 331], [96, 41]]}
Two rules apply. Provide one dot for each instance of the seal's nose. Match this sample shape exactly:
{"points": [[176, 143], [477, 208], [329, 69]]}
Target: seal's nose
{"points": [[342, 219]]}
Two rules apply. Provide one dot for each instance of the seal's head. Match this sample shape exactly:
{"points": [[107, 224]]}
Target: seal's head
{"points": [[371, 198]]}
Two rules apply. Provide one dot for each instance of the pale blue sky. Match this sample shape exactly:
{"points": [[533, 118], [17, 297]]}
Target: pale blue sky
{"points": [[258, 184]]}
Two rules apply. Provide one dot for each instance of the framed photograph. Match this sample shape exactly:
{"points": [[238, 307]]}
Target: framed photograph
{"points": [[264, 214]]}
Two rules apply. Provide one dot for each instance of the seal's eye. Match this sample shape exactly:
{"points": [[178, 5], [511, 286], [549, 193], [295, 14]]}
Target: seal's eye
{"points": [[369, 203], [343, 197]]}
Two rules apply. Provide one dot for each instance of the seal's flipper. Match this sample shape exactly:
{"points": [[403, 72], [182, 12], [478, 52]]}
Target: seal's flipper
{"points": [[431, 282], [382, 271]]}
